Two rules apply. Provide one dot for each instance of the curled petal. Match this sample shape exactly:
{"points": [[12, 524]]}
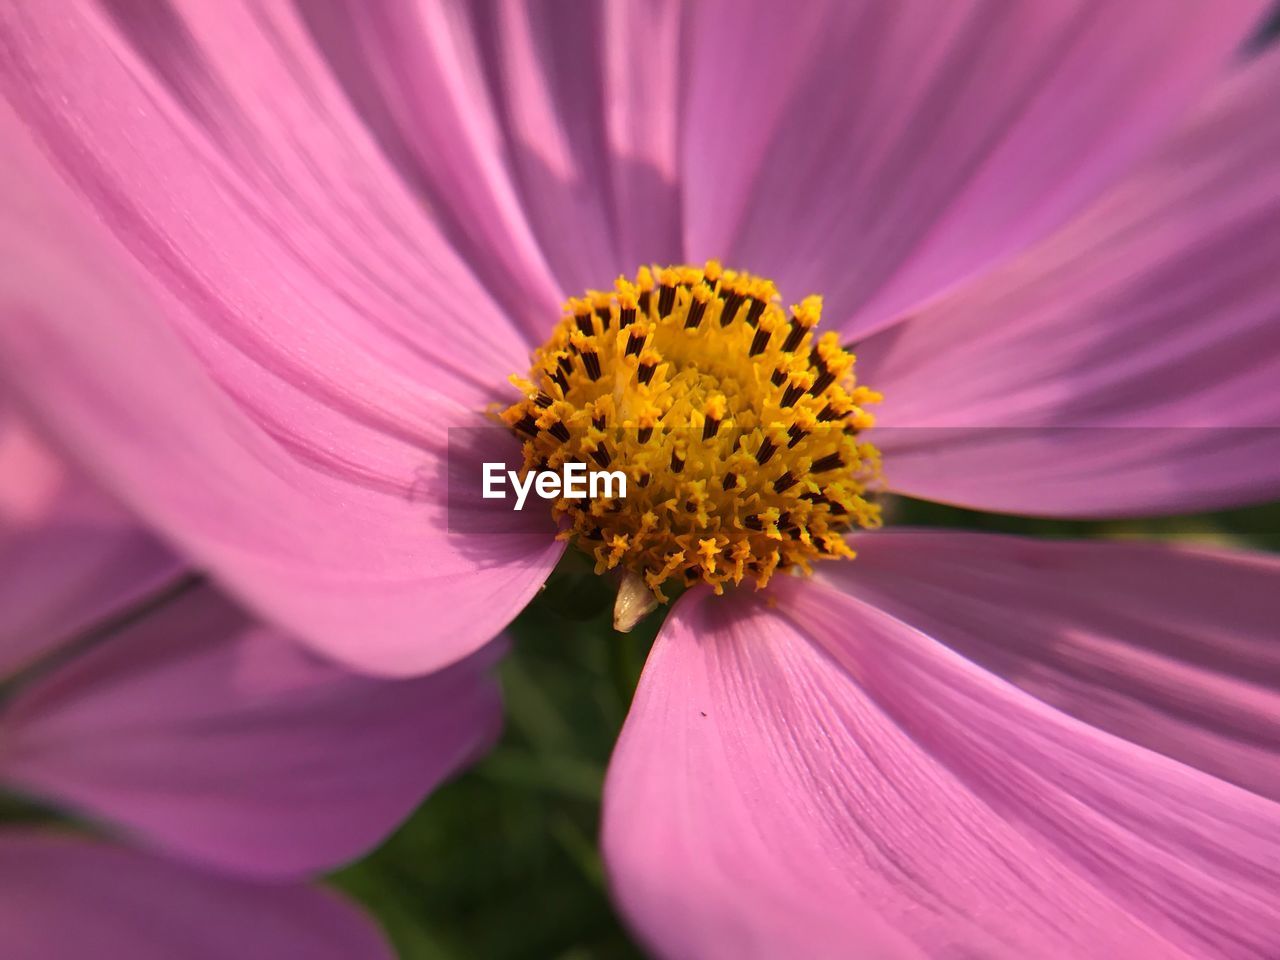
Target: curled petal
{"points": [[307, 473]]}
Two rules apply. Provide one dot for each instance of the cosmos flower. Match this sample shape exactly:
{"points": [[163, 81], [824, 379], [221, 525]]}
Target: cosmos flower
{"points": [[62, 898], [260, 261]]}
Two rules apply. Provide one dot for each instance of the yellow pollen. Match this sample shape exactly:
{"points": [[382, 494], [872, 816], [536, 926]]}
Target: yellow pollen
{"points": [[737, 426]]}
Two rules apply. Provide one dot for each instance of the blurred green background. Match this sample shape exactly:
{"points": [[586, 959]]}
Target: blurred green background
{"points": [[501, 864]]}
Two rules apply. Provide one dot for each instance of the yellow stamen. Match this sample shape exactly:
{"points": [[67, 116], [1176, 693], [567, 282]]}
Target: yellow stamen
{"points": [[737, 426]]}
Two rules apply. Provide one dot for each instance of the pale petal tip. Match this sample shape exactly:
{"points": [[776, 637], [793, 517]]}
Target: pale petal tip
{"points": [[635, 602]]}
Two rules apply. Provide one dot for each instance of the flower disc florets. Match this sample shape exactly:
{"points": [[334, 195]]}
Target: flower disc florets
{"points": [[737, 426]]}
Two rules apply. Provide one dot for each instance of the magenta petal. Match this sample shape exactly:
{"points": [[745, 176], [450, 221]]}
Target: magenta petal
{"points": [[68, 556], [63, 898], [1169, 647], [313, 485], [878, 153], [821, 779], [417, 75], [646, 63], [1128, 364], [1192, 857], [588, 100], [215, 145], [206, 734]]}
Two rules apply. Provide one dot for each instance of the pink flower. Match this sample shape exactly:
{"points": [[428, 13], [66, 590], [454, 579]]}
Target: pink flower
{"points": [[258, 261], [63, 898]]}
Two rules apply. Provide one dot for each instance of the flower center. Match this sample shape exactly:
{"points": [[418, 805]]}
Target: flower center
{"points": [[736, 425]]}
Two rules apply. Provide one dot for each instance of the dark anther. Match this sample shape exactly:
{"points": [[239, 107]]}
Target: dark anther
{"points": [[626, 316], [758, 343], [644, 433], [643, 300], [676, 463], [528, 425], [565, 363], [603, 314], [779, 377], [591, 361], [601, 455], [644, 479], [598, 422], [766, 451], [784, 482], [732, 300], [709, 428], [691, 507], [851, 430], [666, 300], [584, 324], [825, 379], [559, 431], [828, 413], [730, 481], [645, 372], [543, 400], [561, 380], [752, 523], [831, 461], [754, 311], [794, 336], [696, 310], [791, 395], [796, 435], [635, 343]]}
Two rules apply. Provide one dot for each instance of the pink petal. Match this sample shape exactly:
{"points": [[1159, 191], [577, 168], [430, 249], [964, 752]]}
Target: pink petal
{"points": [[588, 100], [1168, 647], [216, 145], [66, 899], [879, 153], [279, 339], [647, 53], [416, 75], [822, 780], [68, 556], [1126, 365], [215, 738]]}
